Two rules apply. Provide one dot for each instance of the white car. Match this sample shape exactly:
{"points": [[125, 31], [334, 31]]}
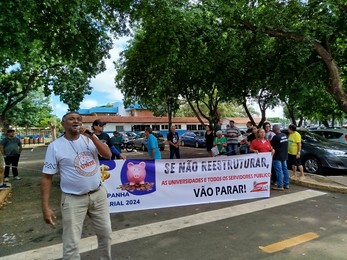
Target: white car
{"points": [[333, 134]]}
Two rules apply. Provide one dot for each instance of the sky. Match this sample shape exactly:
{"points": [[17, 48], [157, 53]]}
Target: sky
{"points": [[104, 90]]}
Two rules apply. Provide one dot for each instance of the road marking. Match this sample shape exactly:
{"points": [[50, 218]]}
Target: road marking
{"points": [[129, 234], [294, 241]]}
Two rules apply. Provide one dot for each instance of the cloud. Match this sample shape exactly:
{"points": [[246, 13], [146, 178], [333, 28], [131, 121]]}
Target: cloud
{"points": [[89, 103], [104, 82], [104, 89], [58, 107]]}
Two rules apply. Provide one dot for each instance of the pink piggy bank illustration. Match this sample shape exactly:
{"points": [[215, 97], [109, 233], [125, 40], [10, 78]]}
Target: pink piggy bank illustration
{"points": [[136, 173]]}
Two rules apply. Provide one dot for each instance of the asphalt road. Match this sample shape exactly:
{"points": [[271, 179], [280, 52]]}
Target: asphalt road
{"points": [[232, 230]]}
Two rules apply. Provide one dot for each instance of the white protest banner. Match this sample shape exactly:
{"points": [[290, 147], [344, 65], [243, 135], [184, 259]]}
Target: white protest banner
{"points": [[146, 184]]}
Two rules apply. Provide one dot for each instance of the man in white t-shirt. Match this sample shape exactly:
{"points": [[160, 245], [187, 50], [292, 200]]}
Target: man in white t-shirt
{"points": [[75, 156]]}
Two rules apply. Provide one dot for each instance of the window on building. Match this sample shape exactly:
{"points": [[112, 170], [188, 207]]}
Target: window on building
{"points": [[178, 126], [139, 127], [119, 128], [156, 127], [164, 127], [191, 127], [201, 127]]}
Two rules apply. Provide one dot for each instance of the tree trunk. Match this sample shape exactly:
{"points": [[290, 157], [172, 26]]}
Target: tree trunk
{"points": [[334, 85], [325, 123]]}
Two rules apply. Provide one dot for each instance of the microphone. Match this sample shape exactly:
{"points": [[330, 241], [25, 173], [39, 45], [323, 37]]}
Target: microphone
{"points": [[87, 131]]}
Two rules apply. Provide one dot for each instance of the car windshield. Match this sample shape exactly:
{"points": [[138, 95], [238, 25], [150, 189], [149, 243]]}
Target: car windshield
{"points": [[199, 133]]}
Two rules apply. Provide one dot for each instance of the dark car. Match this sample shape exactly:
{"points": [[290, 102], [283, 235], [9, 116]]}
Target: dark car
{"points": [[140, 141], [318, 153], [193, 138]]}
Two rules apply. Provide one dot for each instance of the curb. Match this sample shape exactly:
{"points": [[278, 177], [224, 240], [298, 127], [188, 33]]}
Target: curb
{"points": [[331, 186]]}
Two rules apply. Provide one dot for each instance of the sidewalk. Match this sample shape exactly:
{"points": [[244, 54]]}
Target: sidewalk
{"points": [[328, 183]]}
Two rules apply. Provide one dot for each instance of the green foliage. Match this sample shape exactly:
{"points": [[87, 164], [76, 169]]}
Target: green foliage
{"points": [[31, 112], [57, 45]]}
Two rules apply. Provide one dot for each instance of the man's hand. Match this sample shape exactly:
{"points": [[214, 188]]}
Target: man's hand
{"points": [[49, 216], [122, 156]]}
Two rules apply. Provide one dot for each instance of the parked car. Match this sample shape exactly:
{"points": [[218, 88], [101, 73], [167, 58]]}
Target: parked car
{"points": [[318, 153], [125, 138], [130, 135], [333, 134], [140, 141], [193, 138]]}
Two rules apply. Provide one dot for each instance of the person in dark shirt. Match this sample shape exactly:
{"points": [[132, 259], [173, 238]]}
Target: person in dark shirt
{"points": [[279, 143], [253, 135], [174, 143], [209, 137], [98, 128]]}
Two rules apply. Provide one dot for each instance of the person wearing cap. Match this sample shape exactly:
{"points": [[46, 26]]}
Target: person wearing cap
{"points": [[74, 156], [98, 128], [11, 148]]}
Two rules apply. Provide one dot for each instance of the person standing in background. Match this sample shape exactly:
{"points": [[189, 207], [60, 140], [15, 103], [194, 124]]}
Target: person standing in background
{"points": [[117, 140], [294, 149], [217, 127], [174, 143], [98, 128], [252, 136], [268, 133], [232, 133], [209, 139], [11, 148], [279, 143], [246, 142], [152, 145]]}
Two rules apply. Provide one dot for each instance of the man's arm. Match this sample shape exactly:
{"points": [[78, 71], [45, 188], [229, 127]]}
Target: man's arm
{"points": [[20, 148], [2, 151], [46, 186], [115, 151], [299, 150]]}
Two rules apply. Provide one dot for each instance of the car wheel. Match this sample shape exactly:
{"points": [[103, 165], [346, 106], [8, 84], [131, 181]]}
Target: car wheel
{"points": [[182, 143], [312, 165], [196, 144], [143, 148]]}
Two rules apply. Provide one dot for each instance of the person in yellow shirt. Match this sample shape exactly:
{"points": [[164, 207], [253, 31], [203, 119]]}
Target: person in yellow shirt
{"points": [[294, 149]]}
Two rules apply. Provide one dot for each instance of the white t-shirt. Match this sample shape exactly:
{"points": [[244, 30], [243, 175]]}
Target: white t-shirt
{"points": [[78, 164]]}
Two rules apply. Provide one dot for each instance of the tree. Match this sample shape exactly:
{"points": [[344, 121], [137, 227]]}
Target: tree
{"points": [[59, 45], [188, 61], [321, 25]]}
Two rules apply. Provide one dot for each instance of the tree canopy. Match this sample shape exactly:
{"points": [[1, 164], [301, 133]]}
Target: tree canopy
{"points": [[270, 51], [57, 45]]}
